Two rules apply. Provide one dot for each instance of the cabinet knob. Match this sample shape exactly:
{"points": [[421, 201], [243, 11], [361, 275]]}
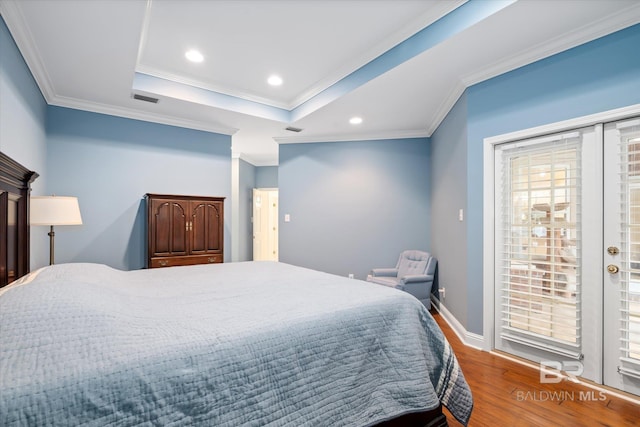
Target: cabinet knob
{"points": [[163, 263], [211, 259]]}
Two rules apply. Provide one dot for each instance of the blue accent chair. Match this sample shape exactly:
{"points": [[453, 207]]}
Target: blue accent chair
{"points": [[414, 273]]}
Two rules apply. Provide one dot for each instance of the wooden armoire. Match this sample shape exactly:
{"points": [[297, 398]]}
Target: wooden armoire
{"points": [[184, 230], [15, 188]]}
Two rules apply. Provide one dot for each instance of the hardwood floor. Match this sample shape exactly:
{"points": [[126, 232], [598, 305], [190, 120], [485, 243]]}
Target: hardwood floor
{"points": [[507, 393]]}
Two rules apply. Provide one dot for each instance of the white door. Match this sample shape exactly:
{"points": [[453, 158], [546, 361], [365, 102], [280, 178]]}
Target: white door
{"points": [[547, 285], [265, 224], [567, 233], [621, 253]]}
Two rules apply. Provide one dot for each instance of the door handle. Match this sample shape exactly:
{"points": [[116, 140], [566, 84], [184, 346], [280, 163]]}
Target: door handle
{"points": [[612, 250], [613, 269]]}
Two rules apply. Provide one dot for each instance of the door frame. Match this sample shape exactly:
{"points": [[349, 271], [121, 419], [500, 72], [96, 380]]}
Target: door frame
{"points": [[488, 210]]}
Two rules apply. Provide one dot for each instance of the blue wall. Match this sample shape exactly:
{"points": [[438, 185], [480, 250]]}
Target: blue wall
{"points": [[267, 177], [109, 163], [594, 77], [448, 196], [22, 125], [353, 205]]}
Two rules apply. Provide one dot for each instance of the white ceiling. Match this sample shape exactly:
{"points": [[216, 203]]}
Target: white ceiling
{"points": [[337, 59]]}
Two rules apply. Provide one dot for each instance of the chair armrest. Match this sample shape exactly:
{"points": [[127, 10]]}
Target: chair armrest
{"points": [[413, 278], [384, 272]]}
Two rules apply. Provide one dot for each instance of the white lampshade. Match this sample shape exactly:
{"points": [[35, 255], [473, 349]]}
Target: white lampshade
{"points": [[55, 210]]}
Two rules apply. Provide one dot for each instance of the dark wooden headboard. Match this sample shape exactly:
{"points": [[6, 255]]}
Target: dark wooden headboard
{"points": [[15, 187]]}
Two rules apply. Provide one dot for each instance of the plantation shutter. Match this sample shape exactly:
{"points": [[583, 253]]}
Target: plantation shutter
{"points": [[539, 247], [629, 283]]}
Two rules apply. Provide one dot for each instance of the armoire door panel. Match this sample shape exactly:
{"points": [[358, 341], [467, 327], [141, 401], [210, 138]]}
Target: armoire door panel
{"points": [[179, 232], [168, 232], [160, 232], [12, 238], [213, 235], [206, 225], [198, 226], [215, 228], [5, 243]]}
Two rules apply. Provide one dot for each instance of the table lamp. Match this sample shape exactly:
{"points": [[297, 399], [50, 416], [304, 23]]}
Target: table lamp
{"points": [[54, 210]]}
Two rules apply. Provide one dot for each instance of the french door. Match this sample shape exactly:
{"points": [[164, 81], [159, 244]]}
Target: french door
{"points": [[621, 253], [567, 235]]}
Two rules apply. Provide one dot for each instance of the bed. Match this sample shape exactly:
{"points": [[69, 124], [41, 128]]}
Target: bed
{"points": [[235, 344]]}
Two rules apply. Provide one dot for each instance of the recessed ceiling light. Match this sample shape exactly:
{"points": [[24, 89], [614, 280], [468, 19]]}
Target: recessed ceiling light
{"points": [[194, 56], [355, 120], [274, 80]]}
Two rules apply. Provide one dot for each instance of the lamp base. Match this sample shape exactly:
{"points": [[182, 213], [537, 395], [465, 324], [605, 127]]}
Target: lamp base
{"points": [[52, 235]]}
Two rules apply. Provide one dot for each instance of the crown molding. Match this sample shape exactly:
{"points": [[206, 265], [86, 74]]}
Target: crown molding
{"points": [[145, 116], [621, 19], [445, 107], [19, 30], [397, 134]]}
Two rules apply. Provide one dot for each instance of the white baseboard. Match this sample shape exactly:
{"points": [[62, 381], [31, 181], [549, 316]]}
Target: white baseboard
{"points": [[469, 339]]}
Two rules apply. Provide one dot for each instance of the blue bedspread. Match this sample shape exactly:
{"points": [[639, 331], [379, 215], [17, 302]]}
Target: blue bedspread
{"points": [[236, 344]]}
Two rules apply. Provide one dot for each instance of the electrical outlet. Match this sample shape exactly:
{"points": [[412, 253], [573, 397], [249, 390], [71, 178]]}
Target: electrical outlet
{"points": [[350, 275], [442, 293]]}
